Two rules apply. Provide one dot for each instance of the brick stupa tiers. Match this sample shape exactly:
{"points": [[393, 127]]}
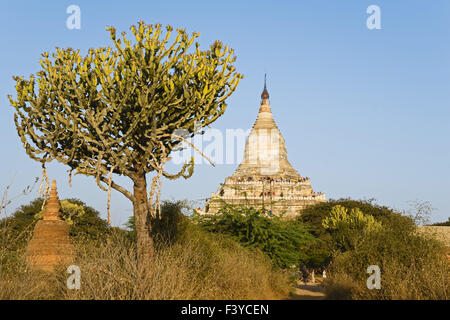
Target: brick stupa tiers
{"points": [[51, 244], [265, 178]]}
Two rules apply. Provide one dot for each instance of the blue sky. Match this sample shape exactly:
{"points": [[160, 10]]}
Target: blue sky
{"points": [[365, 113]]}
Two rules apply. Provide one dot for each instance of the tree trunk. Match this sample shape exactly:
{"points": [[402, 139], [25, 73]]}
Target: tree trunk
{"points": [[142, 220]]}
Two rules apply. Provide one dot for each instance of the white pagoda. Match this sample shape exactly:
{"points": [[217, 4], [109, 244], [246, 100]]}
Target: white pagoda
{"points": [[265, 178]]}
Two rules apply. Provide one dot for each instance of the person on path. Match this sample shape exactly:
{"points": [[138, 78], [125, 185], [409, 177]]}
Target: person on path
{"points": [[305, 274]]}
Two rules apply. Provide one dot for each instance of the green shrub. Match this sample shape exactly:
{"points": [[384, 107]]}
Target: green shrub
{"points": [[282, 240], [168, 227], [321, 251], [348, 227], [413, 266]]}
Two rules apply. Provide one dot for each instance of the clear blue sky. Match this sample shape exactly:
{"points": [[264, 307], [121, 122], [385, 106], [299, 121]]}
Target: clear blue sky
{"points": [[365, 113]]}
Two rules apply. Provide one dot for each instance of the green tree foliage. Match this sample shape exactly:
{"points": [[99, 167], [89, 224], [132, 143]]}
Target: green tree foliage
{"points": [[283, 240], [170, 227], [83, 220], [313, 216], [349, 226], [17, 228], [116, 109]]}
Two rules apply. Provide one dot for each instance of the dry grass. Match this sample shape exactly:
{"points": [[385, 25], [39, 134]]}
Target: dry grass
{"points": [[340, 286], [196, 267]]}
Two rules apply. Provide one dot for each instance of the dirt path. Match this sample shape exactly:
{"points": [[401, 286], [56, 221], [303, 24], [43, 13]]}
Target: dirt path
{"points": [[310, 291]]}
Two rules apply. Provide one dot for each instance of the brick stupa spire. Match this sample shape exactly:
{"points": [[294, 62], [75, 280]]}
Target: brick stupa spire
{"points": [[53, 207], [51, 244]]}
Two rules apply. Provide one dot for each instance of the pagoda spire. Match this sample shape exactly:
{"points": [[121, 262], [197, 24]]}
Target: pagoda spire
{"points": [[265, 93], [265, 151], [265, 105]]}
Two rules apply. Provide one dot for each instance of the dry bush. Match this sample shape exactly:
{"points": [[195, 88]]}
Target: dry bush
{"points": [[340, 286], [397, 283], [413, 266], [199, 266]]}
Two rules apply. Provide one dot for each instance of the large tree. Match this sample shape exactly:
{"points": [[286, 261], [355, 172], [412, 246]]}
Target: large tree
{"points": [[117, 109]]}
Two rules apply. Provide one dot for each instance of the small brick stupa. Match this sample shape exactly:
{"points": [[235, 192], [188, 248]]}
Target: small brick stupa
{"points": [[51, 244]]}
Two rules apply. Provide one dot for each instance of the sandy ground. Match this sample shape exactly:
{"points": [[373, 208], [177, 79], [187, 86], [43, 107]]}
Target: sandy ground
{"points": [[310, 291]]}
